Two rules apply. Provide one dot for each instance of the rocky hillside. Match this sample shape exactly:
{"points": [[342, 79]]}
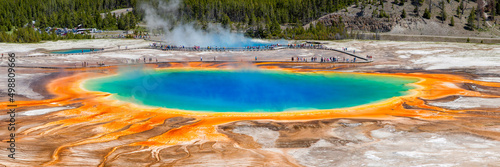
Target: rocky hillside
{"points": [[371, 16]]}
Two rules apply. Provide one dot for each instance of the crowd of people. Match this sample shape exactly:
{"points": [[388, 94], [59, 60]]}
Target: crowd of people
{"points": [[323, 59], [268, 47], [216, 48], [86, 64], [261, 47], [212, 48], [305, 45]]}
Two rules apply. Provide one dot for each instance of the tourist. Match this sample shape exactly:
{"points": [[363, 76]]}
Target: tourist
{"points": [[201, 58], [292, 57], [255, 58]]}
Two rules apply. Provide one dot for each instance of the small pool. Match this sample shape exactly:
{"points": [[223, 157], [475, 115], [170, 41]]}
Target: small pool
{"points": [[249, 91], [73, 51]]}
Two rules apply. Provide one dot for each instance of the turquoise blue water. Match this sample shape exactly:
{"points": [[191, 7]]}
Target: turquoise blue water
{"points": [[72, 51], [249, 91]]}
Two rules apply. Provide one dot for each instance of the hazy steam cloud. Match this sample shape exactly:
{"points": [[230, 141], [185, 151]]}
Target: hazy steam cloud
{"points": [[163, 15]]}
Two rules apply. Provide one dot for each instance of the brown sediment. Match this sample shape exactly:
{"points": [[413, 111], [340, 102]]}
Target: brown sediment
{"points": [[117, 129]]}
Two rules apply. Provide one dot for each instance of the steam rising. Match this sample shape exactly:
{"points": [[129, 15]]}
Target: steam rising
{"points": [[165, 16]]}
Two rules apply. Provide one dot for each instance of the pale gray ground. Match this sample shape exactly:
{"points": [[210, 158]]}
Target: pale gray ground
{"points": [[385, 146]]}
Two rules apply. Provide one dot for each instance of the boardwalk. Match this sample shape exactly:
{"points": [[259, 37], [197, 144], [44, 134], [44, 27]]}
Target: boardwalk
{"points": [[252, 49], [218, 49]]}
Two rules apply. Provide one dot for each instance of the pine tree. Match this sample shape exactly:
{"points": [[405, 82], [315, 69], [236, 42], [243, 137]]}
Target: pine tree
{"points": [[403, 15], [427, 14], [382, 14], [498, 8], [443, 14], [452, 21], [226, 21], [253, 19], [493, 9], [415, 10], [471, 19], [247, 20], [121, 23], [275, 28], [374, 13]]}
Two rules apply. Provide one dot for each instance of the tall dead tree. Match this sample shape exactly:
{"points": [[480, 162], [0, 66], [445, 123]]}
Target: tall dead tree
{"points": [[430, 6], [480, 10], [465, 6]]}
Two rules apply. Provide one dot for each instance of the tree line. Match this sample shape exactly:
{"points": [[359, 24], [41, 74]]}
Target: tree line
{"points": [[29, 35], [17, 15], [62, 13]]}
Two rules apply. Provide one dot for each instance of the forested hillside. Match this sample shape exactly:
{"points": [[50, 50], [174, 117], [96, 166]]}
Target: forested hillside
{"points": [[264, 18], [60, 13], [250, 11], [258, 18]]}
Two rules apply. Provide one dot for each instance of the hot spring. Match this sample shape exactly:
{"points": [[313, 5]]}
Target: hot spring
{"points": [[248, 91], [73, 51]]}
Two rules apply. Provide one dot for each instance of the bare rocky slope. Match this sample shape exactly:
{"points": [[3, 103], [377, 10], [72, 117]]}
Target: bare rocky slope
{"points": [[360, 18]]}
